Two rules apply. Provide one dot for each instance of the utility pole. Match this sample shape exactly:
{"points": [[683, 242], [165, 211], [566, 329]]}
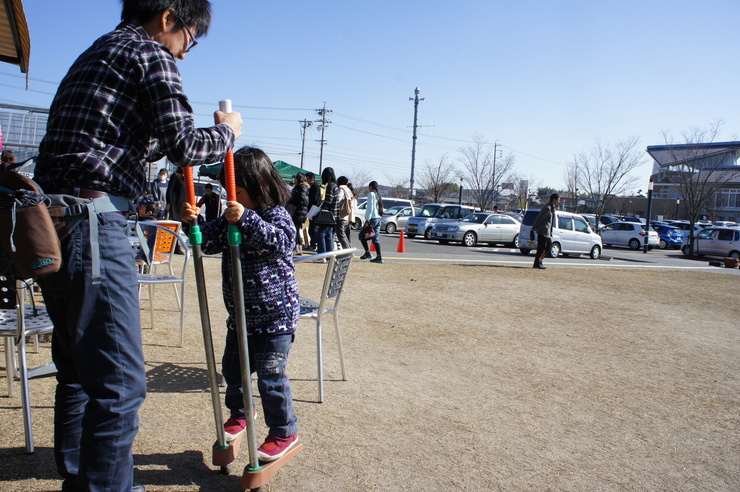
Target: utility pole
{"points": [[304, 124], [496, 145], [322, 112], [416, 100]]}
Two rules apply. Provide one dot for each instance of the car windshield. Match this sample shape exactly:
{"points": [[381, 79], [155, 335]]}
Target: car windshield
{"points": [[392, 211], [476, 218], [427, 211]]}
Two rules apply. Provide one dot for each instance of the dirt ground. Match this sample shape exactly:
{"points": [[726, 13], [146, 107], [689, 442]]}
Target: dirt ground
{"points": [[459, 378]]}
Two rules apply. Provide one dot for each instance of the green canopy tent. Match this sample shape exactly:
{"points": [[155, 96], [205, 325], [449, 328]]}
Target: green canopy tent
{"points": [[287, 171]]}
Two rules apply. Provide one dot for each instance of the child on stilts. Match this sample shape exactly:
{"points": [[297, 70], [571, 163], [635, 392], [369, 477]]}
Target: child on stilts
{"points": [[271, 298]]}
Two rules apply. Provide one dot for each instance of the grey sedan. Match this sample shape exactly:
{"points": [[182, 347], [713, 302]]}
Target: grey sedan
{"points": [[479, 227]]}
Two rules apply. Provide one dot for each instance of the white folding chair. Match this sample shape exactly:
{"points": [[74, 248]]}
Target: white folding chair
{"points": [[18, 321], [166, 235], [337, 268]]}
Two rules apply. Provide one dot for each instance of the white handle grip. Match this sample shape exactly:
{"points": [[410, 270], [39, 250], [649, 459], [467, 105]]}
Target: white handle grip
{"points": [[225, 105]]}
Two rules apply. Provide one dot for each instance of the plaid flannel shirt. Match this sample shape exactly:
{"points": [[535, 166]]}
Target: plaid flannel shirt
{"points": [[120, 105]]}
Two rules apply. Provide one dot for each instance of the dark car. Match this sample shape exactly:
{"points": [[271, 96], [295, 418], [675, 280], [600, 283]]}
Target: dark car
{"points": [[670, 237]]}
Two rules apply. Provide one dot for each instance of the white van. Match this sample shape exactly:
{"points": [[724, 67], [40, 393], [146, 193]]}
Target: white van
{"points": [[571, 234]]}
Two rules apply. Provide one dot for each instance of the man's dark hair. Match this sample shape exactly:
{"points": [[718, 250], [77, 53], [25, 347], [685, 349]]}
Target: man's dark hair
{"points": [[554, 197], [209, 186], [196, 13], [310, 176]]}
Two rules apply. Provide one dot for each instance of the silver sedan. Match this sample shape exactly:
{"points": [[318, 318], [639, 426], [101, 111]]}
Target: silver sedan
{"points": [[479, 227]]}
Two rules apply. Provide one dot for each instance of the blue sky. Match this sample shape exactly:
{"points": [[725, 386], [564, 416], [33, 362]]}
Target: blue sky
{"points": [[545, 79]]}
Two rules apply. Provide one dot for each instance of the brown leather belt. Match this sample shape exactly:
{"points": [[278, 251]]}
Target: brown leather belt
{"points": [[81, 192]]}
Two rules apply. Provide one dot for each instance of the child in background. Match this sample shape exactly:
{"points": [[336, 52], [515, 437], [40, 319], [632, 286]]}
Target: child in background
{"points": [[271, 297]]}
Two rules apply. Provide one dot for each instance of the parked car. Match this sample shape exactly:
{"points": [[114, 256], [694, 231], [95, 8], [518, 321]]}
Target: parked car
{"points": [[725, 223], [630, 234], [571, 234], [387, 203], [395, 218], [433, 213], [603, 220], [479, 227], [717, 241], [516, 215], [668, 236], [685, 227], [629, 218]]}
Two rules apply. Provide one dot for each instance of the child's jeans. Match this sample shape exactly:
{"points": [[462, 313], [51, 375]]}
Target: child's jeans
{"points": [[268, 356]]}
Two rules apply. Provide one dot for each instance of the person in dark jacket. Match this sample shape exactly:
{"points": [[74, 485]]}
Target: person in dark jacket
{"points": [[314, 198], [298, 203], [543, 227], [176, 195]]}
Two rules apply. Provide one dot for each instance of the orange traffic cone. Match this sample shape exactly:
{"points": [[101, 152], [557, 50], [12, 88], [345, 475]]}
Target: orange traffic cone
{"points": [[401, 244], [372, 246]]}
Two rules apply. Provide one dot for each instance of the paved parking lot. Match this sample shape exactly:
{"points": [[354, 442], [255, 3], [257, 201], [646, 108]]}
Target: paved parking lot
{"points": [[421, 250]]}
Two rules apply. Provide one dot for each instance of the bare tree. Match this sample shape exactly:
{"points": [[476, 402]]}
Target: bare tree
{"points": [[437, 178], [604, 171], [360, 178], [698, 169], [483, 172], [399, 186]]}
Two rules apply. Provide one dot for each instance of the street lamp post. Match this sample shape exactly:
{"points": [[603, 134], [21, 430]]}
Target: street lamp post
{"points": [[649, 212], [459, 200], [678, 202]]}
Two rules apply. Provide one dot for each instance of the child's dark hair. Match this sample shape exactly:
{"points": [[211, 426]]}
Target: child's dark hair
{"points": [[342, 180], [255, 172], [374, 188]]}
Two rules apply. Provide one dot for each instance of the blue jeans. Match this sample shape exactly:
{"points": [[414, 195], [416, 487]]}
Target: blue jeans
{"points": [[325, 239], [268, 357], [96, 346]]}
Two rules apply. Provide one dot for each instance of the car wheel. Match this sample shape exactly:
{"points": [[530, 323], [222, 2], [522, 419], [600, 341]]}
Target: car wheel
{"points": [[554, 250], [443, 241], [524, 251], [735, 255], [357, 225], [595, 253], [514, 241], [663, 244], [428, 233], [634, 244], [469, 239], [685, 250], [390, 228], [411, 236]]}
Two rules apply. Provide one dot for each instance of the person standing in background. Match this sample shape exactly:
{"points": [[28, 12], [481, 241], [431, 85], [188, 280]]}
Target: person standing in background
{"points": [[158, 189], [298, 209], [373, 213], [314, 198], [176, 195], [345, 211], [212, 202], [543, 227], [7, 159]]}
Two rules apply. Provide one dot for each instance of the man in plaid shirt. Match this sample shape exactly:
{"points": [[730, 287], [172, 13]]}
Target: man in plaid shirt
{"points": [[120, 105]]}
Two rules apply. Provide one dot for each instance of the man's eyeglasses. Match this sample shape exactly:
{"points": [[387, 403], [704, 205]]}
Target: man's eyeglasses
{"points": [[193, 42]]}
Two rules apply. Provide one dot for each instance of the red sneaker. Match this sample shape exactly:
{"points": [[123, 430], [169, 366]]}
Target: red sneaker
{"points": [[233, 428], [275, 447]]}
